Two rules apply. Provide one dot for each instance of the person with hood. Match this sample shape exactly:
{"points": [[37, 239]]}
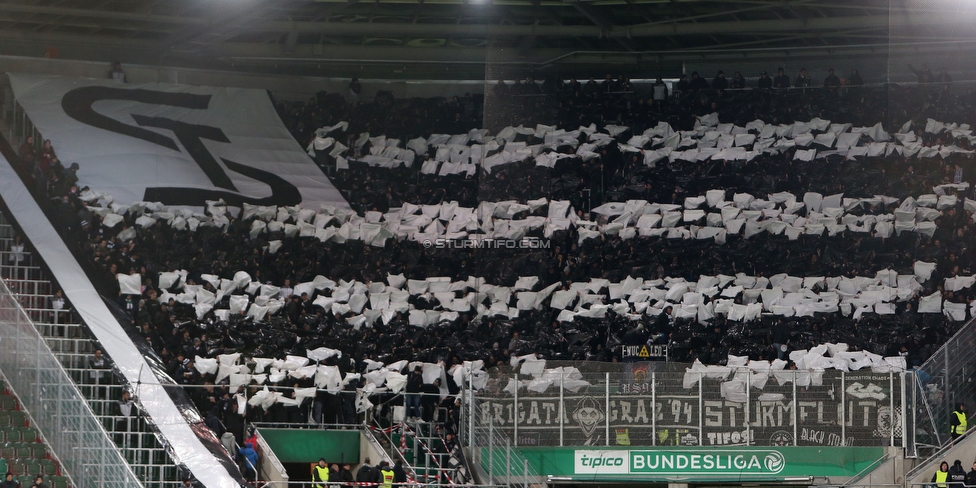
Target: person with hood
{"points": [[400, 474], [941, 476], [957, 475], [250, 459], [958, 422]]}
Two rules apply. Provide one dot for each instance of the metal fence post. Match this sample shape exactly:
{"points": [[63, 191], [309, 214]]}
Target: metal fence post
{"points": [[796, 417], [915, 387], [901, 420], [508, 462], [491, 451], [471, 410], [653, 408], [607, 409], [945, 375], [843, 410], [525, 473], [891, 394], [748, 401], [561, 405], [516, 410], [701, 406]]}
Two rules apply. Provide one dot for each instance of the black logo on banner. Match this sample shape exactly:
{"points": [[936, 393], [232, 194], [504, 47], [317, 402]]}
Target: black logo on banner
{"points": [[78, 103]]}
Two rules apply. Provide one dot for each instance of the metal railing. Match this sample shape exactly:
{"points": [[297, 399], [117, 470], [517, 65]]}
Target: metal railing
{"points": [[936, 455], [72, 346], [944, 380], [59, 410]]}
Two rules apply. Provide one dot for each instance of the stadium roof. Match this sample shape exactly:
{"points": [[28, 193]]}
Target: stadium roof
{"points": [[458, 38]]}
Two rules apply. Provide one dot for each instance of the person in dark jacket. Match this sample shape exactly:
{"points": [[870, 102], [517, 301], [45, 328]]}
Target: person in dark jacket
{"points": [[781, 80], [430, 399], [803, 80], [765, 82], [957, 475], [415, 384], [831, 81], [697, 82], [366, 473], [9, 482], [738, 81], [971, 477], [345, 476], [720, 82], [400, 474]]}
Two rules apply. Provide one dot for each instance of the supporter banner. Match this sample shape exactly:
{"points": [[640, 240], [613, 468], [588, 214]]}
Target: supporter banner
{"points": [[175, 144], [855, 410], [705, 464]]}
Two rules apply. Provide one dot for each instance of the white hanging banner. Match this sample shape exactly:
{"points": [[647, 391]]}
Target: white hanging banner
{"points": [[174, 427], [175, 144]]}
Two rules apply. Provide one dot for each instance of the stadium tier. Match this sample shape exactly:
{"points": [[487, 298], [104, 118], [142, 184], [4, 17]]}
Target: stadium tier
{"points": [[549, 284]]}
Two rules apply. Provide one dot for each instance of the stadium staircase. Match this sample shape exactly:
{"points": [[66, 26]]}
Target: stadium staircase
{"points": [[944, 380], [73, 346], [421, 447]]}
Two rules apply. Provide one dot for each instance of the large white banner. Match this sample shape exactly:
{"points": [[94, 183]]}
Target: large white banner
{"points": [[176, 144], [159, 406]]}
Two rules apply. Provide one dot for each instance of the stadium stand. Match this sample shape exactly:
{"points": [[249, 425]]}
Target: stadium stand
{"points": [[23, 452], [875, 232]]}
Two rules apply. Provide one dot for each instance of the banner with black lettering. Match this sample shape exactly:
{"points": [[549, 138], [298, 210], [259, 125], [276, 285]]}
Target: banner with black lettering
{"points": [[175, 144], [667, 409]]}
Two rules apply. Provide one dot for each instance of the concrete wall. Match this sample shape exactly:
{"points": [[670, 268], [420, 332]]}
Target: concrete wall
{"points": [[965, 451], [283, 87], [891, 471], [368, 448]]}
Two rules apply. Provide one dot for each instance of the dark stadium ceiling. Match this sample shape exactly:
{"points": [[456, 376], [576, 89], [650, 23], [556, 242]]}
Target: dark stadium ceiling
{"points": [[470, 38]]}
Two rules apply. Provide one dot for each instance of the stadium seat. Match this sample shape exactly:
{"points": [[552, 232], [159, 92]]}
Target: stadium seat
{"points": [[33, 467], [28, 434], [59, 482], [7, 451], [18, 418], [39, 451], [24, 452], [8, 402], [47, 467], [11, 433]]}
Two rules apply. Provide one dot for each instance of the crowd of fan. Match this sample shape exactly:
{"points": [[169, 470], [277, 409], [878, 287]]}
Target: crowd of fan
{"points": [[618, 176], [173, 331]]}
